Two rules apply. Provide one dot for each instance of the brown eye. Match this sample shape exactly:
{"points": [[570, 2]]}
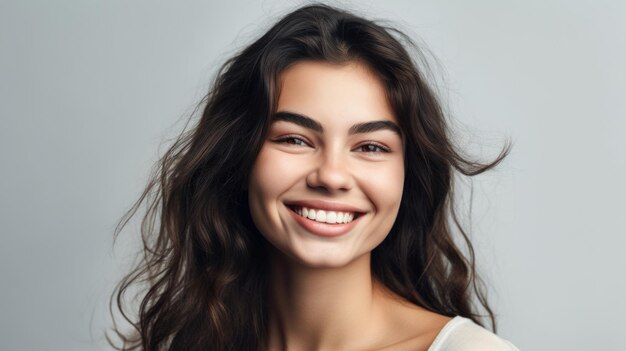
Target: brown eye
{"points": [[292, 141], [373, 148]]}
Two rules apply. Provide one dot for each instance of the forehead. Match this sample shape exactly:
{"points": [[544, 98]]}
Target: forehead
{"points": [[347, 93]]}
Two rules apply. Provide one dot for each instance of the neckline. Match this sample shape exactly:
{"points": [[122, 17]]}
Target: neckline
{"points": [[445, 331]]}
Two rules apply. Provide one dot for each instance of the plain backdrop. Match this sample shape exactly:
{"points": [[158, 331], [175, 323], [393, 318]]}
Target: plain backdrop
{"points": [[92, 91]]}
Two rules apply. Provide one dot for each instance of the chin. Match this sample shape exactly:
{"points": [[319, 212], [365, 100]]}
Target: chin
{"points": [[324, 263], [323, 260]]}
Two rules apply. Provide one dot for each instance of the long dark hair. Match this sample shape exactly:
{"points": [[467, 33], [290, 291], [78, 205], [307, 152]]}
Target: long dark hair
{"points": [[204, 263]]}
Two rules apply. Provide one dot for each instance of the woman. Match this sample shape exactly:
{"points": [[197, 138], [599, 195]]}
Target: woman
{"points": [[308, 209]]}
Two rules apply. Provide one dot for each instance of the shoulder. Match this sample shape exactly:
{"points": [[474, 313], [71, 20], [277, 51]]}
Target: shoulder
{"points": [[462, 334]]}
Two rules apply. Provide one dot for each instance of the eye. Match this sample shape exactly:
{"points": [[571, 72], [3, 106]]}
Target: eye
{"points": [[373, 148], [292, 140]]}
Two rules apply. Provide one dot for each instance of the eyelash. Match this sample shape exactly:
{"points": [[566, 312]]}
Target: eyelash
{"points": [[382, 148]]}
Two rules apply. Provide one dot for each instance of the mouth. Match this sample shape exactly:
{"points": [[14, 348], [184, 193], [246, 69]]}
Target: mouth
{"points": [[325, 216], [321, 228]]}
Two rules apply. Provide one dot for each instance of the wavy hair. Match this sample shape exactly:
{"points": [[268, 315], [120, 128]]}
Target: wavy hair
{"points": [[203, 272]]}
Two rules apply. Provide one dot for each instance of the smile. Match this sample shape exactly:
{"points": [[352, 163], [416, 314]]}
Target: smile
{"points": [[320, 224], [324, 216]]}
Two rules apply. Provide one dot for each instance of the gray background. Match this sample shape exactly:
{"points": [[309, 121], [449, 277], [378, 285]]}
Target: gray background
{"points": [[92, 90]]}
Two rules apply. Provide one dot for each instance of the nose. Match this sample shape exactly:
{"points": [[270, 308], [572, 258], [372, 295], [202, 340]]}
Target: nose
{"points": [[331, 172]]}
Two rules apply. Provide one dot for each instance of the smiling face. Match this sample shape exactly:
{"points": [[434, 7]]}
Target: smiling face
{"points": [[334, 145]]}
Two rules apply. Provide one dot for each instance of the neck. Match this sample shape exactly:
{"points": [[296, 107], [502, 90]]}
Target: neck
{"points": [[320, 308]]}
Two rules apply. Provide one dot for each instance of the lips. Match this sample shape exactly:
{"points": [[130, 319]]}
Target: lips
{"points": [[326, 206], [324, 229]]}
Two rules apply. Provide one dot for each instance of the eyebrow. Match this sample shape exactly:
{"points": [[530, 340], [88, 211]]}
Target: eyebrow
{"points": [[359, 128]]}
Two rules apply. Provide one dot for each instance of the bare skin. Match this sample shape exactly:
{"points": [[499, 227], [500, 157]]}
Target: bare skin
{"points": [[344, 309], [323, 296]]}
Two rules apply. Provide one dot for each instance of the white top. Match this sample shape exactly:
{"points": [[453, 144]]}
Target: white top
{"points": [[462, 334]]}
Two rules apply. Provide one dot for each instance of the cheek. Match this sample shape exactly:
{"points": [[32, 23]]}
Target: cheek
{"points": [[261, 187], [386, 185], [272, 174], [259, 190]]}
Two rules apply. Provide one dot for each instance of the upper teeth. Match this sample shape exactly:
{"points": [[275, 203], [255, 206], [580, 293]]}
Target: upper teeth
{"points": [[325, 216]]}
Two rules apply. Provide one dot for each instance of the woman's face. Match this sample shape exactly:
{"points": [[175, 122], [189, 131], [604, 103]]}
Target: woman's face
{"points": [[334, 148]]}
